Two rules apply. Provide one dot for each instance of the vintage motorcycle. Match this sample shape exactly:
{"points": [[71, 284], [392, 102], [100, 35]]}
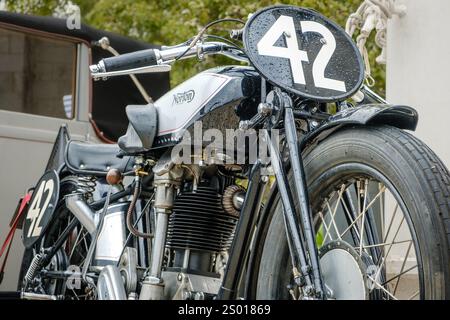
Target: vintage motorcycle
{"points": [[344, 204]]}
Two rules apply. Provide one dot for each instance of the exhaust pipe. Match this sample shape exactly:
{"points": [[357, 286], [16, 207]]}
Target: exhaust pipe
{"points": [[76, 204], [38, 296]]}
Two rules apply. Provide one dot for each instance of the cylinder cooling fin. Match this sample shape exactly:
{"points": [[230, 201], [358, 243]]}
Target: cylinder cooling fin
{"points": [[199, 222]]}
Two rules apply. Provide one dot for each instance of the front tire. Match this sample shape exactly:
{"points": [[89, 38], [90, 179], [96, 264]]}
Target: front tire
{"points": [[414, 177]]}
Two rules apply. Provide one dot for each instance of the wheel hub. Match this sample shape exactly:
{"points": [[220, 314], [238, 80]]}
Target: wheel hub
{"points": [[343, 271]]}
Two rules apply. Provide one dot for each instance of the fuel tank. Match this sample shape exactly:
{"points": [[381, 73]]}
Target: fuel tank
{"points": [[218, 97]]}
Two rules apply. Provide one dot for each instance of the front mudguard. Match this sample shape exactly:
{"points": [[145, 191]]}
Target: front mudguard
{"points": [[402, 117]]}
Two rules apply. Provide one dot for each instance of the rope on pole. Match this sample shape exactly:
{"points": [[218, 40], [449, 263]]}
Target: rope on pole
{"points": [[373, 15]]}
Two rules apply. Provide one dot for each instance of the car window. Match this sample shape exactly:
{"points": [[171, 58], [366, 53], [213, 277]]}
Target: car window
{"points": [[36, 74]]}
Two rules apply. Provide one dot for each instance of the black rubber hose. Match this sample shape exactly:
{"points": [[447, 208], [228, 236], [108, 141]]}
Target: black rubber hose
{"points": [[97, 205]]}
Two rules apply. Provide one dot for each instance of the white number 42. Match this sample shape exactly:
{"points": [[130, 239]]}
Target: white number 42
{"points": [[285, 26], [35, 213]]}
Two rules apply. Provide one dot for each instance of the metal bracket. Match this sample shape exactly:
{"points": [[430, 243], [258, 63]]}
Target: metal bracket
{"points": [[128, 265]]}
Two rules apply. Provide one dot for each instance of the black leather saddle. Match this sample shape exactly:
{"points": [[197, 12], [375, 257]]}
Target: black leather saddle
{"points": [[95, 159]]}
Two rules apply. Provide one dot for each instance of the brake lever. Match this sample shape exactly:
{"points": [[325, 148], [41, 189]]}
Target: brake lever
{"points": [[236, 34]]}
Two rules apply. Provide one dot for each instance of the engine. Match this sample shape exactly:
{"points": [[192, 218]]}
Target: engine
{"points": [[199, 228], [200, 233], [193, 253]]}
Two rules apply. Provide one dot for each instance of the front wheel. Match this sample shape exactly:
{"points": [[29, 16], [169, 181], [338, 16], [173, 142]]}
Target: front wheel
{"points": [[381, 209]]}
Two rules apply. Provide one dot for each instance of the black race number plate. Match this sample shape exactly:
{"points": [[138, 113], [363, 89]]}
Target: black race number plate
{"points": [[42, 205], [304, 53]]}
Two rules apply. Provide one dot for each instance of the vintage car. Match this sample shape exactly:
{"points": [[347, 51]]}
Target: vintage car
{"points": [[45, 84]]}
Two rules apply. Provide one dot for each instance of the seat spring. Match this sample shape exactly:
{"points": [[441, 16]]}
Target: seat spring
{"points": [[86, 185]]}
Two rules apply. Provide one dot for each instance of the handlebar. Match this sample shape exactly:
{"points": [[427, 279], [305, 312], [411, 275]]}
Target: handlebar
{"points": [[131, 60], [154, 60]]}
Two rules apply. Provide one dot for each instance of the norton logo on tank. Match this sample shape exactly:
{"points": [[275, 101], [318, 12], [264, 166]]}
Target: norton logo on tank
{"points": [[303, 52], [183, 97]]}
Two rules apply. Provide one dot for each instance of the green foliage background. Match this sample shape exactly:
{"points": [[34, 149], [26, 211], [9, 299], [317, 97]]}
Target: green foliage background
{"points": [[168, 22]]}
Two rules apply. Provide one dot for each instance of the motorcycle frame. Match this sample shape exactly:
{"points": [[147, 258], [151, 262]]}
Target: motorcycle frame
{"points": [[239, 275]]}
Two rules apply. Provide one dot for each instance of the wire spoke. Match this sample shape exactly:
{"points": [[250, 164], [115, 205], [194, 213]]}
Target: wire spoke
{"points": [[414, 295], [347, 212], [382, 211], [362, 213], [385, 244], [390, 223], [381, 287], [383, 260], [403, 267], [399, 275], [327, 230], [333, 212], [75, 294], [361, 238], [78, 241]]}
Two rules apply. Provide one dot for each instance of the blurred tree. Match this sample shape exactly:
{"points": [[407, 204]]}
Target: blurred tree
{"points": [[169, 22], [40, 7]]}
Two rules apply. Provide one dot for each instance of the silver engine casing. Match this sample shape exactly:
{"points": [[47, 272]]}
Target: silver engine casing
{"points": [[112, 236], [181, 286], [110, 284]]}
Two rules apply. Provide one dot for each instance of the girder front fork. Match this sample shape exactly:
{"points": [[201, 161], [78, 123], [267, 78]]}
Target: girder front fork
{"points": [[299, 229]]}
